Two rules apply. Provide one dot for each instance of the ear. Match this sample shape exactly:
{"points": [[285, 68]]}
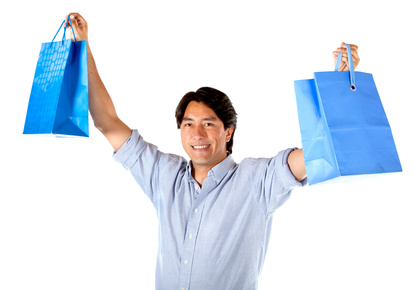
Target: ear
{"points": [[229, 132]]}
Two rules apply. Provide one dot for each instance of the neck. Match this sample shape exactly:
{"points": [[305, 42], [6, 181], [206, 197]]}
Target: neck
{"points": [[200, 173]]}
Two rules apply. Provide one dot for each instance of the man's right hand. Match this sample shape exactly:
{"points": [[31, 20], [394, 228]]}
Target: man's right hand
{"points": [[80, 26]]}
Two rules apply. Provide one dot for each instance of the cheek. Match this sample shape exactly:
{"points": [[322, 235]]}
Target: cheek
{"points": [[218, 137], [184, 135]]}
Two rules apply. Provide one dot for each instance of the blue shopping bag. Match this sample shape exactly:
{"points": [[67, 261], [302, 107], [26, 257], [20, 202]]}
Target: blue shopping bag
{"points": [[58, 103], [344, 128]]}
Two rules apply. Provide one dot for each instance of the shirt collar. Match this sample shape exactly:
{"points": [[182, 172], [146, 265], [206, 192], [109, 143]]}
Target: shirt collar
{"points": [[218, 171]]}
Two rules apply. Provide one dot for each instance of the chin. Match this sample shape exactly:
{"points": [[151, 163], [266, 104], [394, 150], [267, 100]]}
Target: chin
{"points": [[200, 161]]}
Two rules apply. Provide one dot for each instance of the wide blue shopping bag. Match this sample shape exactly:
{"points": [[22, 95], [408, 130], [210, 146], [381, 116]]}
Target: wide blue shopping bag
{"points": [[344, 129], [58, 103]]}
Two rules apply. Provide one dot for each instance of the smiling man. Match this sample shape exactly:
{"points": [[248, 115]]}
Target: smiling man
{"points": [[206, 138], [214, 215]]}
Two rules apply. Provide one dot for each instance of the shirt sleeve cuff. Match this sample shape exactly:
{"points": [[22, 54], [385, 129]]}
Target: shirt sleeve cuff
{"points": [[289, 180], [131, 146]]}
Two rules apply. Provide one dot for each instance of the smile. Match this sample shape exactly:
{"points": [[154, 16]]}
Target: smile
{"points": [[200, 146]]}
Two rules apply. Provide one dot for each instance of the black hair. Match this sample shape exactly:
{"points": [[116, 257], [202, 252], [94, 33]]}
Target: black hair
{"points": [[218, 101]]}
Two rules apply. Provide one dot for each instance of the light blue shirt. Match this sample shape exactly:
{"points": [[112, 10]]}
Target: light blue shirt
{"points": [[216, 236]]}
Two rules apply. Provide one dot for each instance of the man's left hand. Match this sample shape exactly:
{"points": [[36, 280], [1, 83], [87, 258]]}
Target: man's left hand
{"points": [[344, 65]]}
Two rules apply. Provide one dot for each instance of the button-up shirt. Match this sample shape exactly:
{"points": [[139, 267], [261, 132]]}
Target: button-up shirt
{"points": [[215, 236]]}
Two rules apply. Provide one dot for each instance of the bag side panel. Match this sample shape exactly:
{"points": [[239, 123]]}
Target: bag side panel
{"points": [[79, 102], [319, 158], [62, 108], [74, 98]]}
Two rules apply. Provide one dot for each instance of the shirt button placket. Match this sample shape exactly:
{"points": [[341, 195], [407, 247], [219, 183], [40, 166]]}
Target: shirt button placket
{"points": [[189, 245]]}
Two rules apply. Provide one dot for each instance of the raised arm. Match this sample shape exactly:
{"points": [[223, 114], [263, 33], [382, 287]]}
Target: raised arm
{"points": [[101, 106]]}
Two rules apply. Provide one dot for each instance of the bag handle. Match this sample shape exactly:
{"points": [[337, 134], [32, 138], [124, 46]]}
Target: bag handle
{"points": [[64, 32], [351, 68]]}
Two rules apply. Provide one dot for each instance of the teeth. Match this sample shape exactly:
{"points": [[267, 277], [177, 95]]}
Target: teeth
{"points": [[200, 147]]}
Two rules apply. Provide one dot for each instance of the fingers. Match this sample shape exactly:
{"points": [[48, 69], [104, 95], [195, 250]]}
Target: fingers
{"points": [[67, 22], [76, 19], [344, 65], [355, 60], [353, 48], [79, 25]]}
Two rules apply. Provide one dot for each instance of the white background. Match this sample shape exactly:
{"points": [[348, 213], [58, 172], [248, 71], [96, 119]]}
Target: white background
{"points": [[72, 218]]}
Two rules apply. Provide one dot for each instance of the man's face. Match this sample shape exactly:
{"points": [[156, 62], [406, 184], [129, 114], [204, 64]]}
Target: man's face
{"points": [[204, 136]]}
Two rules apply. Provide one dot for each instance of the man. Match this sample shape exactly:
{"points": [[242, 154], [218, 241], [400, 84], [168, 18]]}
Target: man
{"points": [[214, 215]]}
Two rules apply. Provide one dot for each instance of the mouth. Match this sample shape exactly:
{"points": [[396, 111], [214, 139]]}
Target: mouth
{"points": [[199, 147]]}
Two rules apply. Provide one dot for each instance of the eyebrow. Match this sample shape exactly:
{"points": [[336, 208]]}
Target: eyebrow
{"points": [[204, 119]]}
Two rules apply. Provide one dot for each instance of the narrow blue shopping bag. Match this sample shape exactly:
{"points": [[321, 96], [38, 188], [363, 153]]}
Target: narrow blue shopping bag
{"points": [[344, 128], [58, 103]]}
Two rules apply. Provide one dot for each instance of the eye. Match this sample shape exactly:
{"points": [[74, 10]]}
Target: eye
{"points": [[208, 124], [184, 124]]}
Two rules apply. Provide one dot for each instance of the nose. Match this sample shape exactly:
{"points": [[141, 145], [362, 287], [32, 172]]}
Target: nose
{"points": [[199, 132]]}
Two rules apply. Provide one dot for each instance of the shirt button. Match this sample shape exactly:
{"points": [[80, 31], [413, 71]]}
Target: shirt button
{"points": [[190, 236], [196, 187], [186, 261], [196, 210], [182, 289]]}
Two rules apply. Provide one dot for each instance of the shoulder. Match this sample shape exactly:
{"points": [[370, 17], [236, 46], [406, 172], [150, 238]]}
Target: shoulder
{"points": [[271, 162], [274, 168], [136, 149]]}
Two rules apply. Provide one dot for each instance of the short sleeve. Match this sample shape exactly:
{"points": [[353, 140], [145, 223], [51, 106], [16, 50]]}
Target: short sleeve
{"points": [[146, 163], [285, 176], [130, 147], [273, 180]]}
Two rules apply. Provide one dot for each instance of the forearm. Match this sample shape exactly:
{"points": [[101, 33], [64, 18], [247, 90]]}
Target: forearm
{"points": [[296, 164], [100, 104], [102, 108]]}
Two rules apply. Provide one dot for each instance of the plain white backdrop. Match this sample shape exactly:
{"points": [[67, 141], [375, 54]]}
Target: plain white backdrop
{"points": [[72, 218]]}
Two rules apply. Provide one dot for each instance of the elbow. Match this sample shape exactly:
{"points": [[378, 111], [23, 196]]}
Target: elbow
{"points": [[99, 126], [105, 125]]}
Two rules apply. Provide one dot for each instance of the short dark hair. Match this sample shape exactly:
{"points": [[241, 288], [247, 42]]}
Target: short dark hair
{"points": [[217, 101]]}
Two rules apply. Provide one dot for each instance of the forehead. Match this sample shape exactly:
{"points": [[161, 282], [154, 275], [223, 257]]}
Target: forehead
{"points": [[195, 110]]}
